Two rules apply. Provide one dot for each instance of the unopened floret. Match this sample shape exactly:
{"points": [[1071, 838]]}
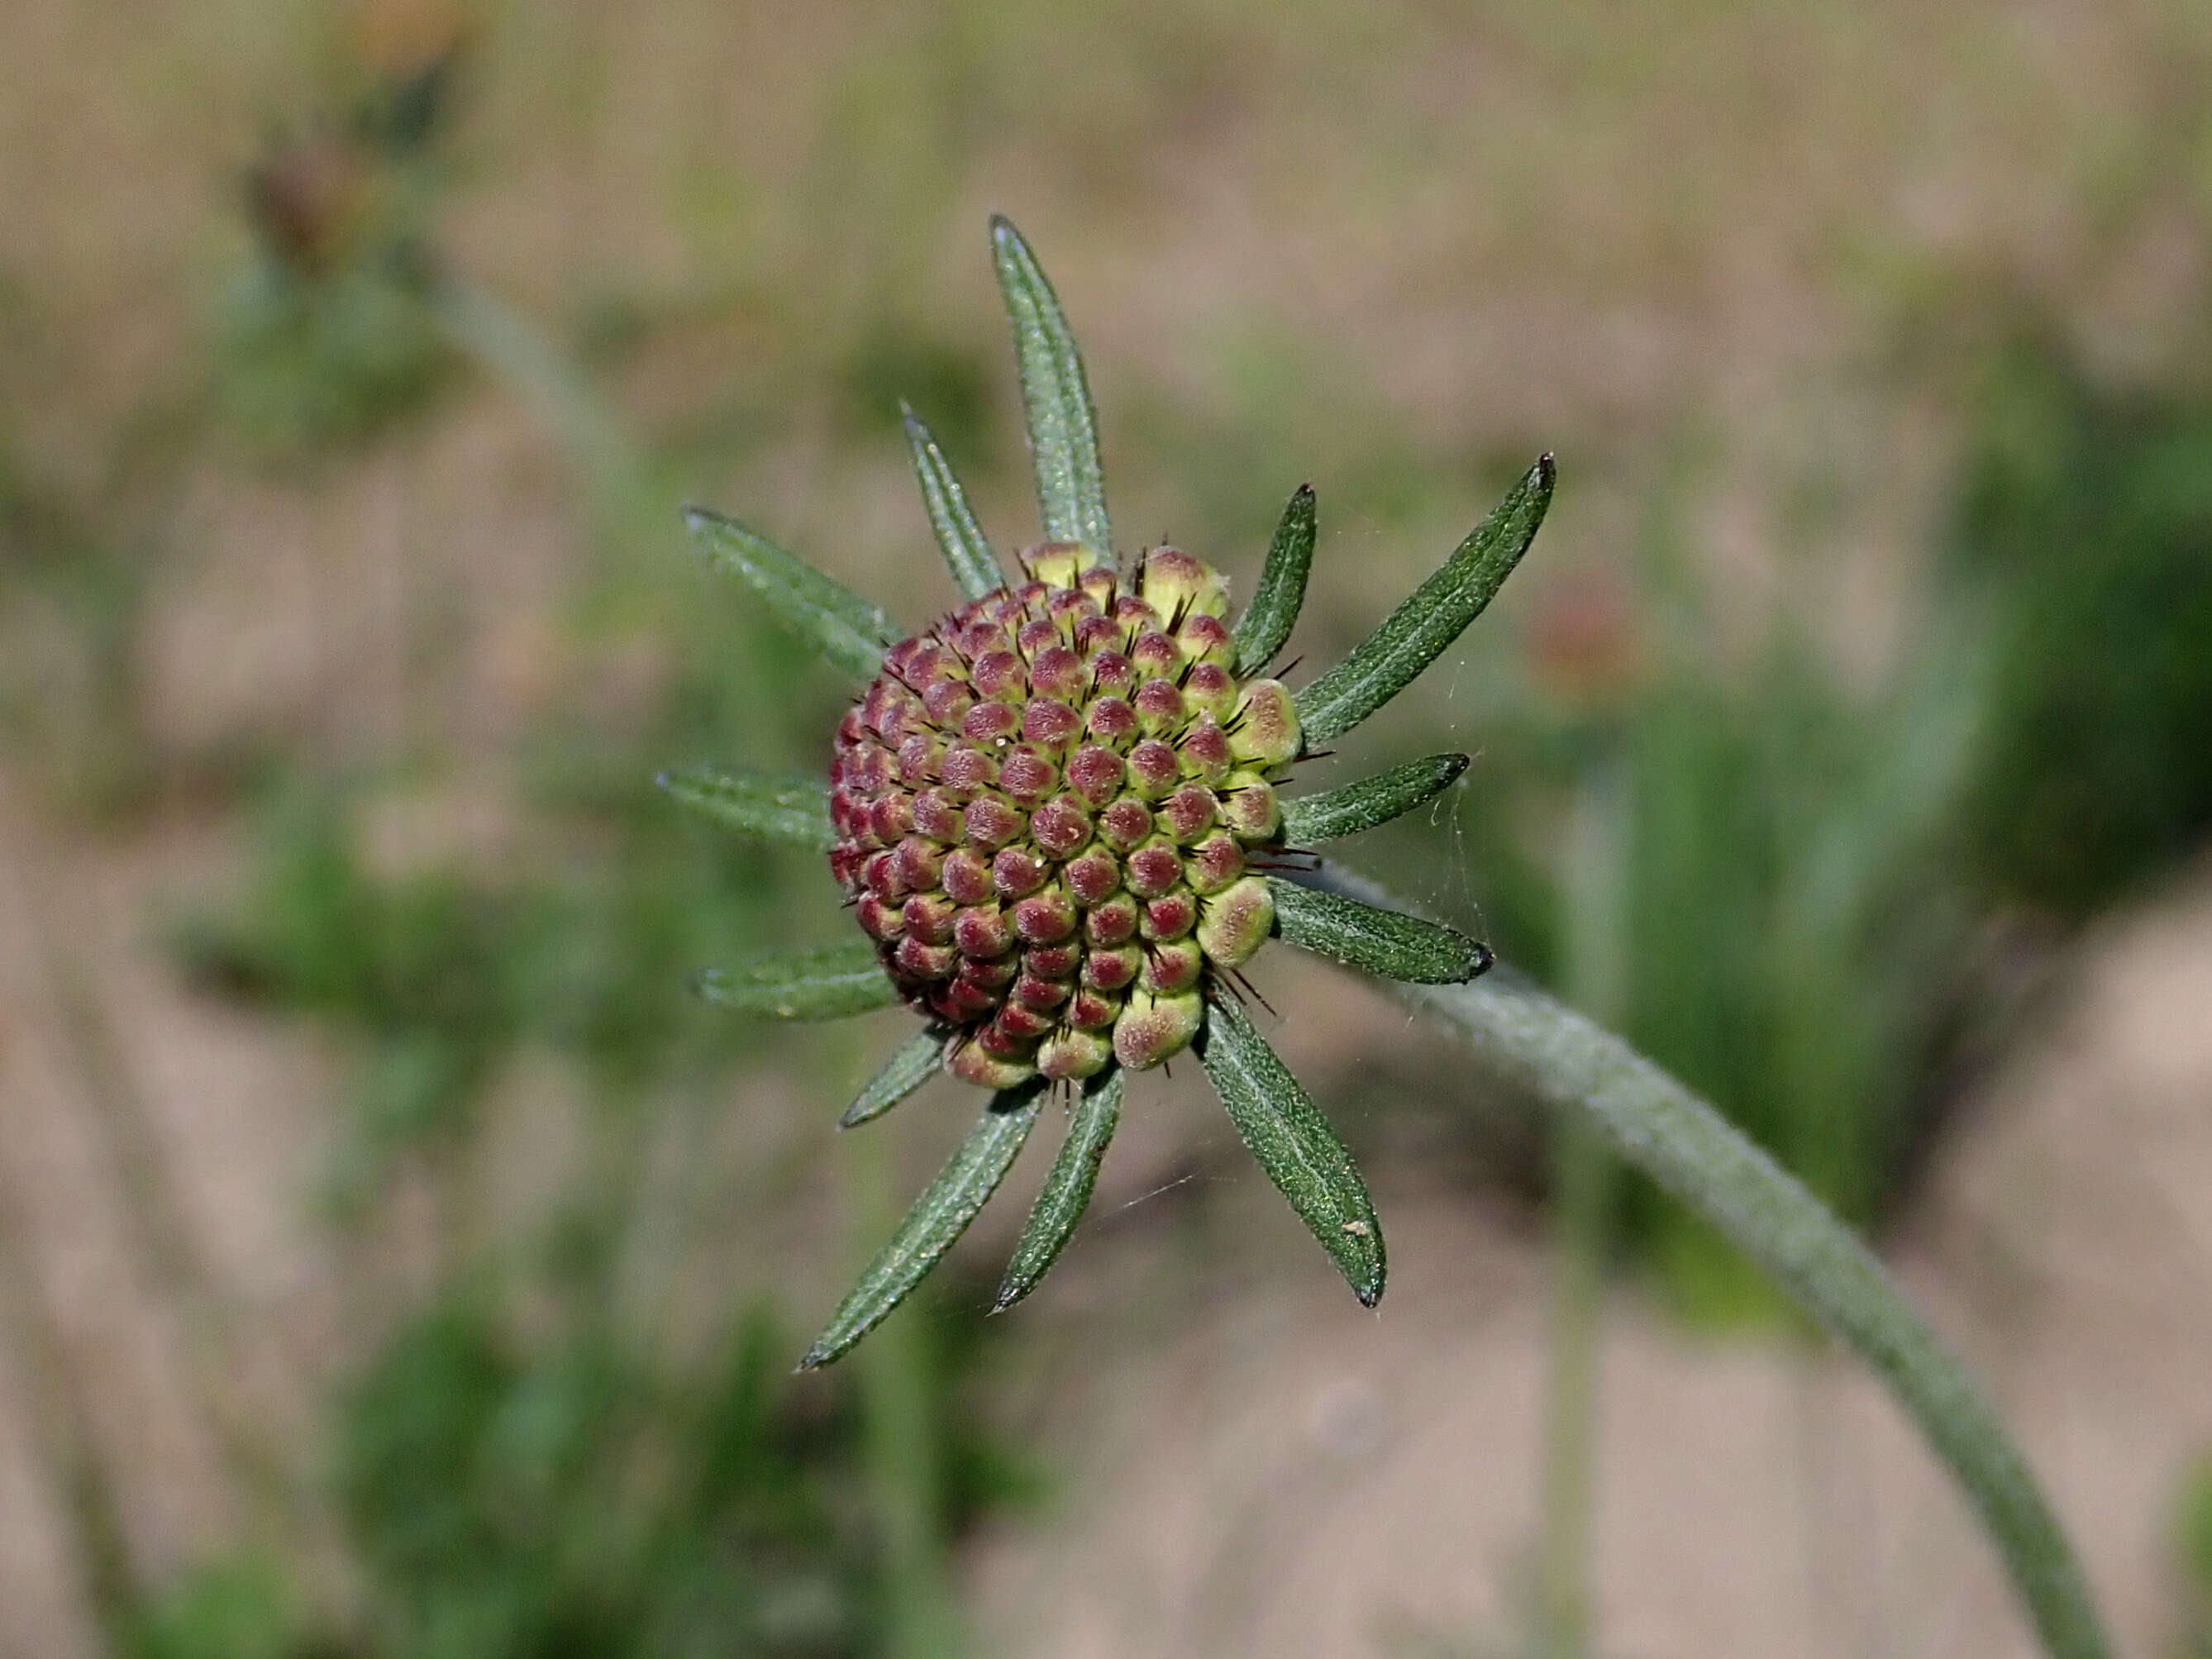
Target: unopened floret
{"points": [[1044, 807]]}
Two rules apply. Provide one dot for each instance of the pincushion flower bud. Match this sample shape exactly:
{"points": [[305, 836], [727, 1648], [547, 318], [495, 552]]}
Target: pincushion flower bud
{"points": [[1055, 816], [1024, 653]]}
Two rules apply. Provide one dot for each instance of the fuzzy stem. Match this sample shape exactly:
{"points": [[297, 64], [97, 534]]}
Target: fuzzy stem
{"points": [[1592, 884], [514, 349], [1578, 1069]]}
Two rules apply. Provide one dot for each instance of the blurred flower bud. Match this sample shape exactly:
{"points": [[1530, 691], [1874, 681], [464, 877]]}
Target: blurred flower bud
{"points": [[1583, 643]]}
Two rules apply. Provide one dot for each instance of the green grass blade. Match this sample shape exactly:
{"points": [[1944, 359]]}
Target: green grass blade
{"points": [[1574, 1067], [1268, 621], [973, 566], [1437, 612], [849, 632], [938, 1217], [1312, 819], [825, 984], [781, 806], [1296, 1146], [1068, 1189], [1382, 942], [919, 1059], [1055, 397]]}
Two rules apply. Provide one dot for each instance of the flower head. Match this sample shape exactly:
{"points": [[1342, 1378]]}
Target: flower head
{"points": [[1045, 805], [1055, 815]]}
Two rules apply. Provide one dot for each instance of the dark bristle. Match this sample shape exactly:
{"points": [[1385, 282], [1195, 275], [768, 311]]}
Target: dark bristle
{"points": [[1253, 992]]}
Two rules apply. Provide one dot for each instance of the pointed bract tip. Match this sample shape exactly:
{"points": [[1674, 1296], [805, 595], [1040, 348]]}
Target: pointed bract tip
{"points": [[1002, 230], [1485, 960], [1457, 764], [812, 1360], [1548, 466], [1369, 1296]]}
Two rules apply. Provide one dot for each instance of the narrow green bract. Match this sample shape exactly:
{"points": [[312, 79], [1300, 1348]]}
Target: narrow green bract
{"points": [[974, 567], [1383, 942], [938, 1218], [1312, 819], [1295, 1146], [1417, 632], [1068, 1189], [919, 1059], [1266, 623], [825, 984], [849, 632], [1055, 397], [780, 806]]}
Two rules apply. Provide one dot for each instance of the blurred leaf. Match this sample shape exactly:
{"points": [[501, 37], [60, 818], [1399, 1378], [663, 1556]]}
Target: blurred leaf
{"points": [[1067, 1188], [1375, 941], [827, 983], [849, 632], [919, 1059], [1295, 1146], [1438, 611], [1055, 397], [1312, 819], [779, 807], [239, 1608], [1268, 621], [2083, 528], [938, 1218], [2193, 1545], [305, 364], [973, 566]]}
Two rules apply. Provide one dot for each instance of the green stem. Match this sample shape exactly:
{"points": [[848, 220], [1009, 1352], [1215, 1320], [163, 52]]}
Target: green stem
{"points": [[901, 1440], [515, 349], [1579, 1070], [1591, 883]]}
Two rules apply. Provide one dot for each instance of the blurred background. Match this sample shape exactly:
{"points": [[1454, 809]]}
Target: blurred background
{"points": [[395, 1261]]}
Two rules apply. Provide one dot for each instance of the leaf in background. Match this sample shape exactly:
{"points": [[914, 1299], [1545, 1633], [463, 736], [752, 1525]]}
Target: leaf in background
{"points": [[919, 1059], [1068, 1189], [1312, 819], [1382, 942], [1055, 397], [938, 1217], [1296, 1146], [1437, 612], [973, 566], [1268, 621], [778, 806], [825, 984], [849, 632]]}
